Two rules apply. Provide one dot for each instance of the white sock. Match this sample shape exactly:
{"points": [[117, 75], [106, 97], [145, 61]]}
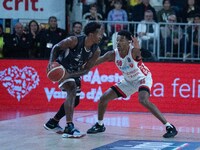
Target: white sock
{"points": [[168, 124], [100, 122]]}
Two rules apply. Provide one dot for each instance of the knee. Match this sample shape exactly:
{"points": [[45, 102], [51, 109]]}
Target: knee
{"points": [[71, 97], [103, 100], [144, 100], [71, 93], [70, 89]]}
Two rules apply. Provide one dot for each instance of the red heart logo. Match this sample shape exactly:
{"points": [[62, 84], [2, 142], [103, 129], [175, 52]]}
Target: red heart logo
{"points": [[19, 82]]}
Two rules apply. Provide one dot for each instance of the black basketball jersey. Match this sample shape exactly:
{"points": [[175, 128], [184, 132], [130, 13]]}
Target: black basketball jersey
{"points": [[73, 59]]}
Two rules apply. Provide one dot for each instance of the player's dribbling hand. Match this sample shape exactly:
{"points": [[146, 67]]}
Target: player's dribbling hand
{"points": [[49, 66], [67, 75]]}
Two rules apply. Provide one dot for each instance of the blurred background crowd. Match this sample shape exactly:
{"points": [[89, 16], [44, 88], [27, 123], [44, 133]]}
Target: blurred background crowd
{"points": [[170, 29]]}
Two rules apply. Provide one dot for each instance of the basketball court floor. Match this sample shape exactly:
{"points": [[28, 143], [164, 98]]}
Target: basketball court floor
{"points": [[23, 130]]}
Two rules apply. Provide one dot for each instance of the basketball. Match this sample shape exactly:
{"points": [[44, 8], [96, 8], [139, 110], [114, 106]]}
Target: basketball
{"points": [[56, 73]]}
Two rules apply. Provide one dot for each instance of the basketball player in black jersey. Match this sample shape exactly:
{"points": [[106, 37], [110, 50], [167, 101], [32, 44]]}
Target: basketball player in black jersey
{"points": [[77, 55]]}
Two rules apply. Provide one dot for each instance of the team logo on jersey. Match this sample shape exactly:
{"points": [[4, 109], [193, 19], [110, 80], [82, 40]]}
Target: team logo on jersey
{"points": [[119, 63], [19, 82], [129, 60], [142, 81], [78, 57], [131, 65]]}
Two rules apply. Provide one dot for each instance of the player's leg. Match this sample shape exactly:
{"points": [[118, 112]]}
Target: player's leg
{"points": [[110, 94], [70, 87], [61, 111], [143, 96], [121, 89], [53, 123]]}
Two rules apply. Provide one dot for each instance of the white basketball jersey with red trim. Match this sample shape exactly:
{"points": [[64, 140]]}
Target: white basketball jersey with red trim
{"points": [[131, 69]]}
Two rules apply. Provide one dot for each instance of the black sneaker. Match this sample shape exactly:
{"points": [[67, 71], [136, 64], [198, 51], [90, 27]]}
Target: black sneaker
{"points": [[171, 132], [71, 132], [52, 125], [96, 129]]}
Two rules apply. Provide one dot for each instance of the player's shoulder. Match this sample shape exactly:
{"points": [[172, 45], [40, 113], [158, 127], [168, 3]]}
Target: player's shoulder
{"points": [[78, 38], [71, 41], [72, 37]]}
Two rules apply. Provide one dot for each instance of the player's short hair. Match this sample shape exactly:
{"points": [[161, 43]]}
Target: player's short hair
{"points": [[91, 27], [125, 33]]}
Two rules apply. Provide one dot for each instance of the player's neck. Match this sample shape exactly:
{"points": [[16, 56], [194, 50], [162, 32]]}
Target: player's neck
{"points": [[123, 53], [88, 43]]}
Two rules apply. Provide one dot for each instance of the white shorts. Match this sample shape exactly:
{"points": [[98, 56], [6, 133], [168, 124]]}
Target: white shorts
{"points": [[126, 88]]}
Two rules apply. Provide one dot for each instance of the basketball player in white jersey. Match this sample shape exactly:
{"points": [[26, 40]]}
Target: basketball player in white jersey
{"points": [[137, 78]]}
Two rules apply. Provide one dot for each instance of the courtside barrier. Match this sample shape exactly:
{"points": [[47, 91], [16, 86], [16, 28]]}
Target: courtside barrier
{"points": [[24, 85]]}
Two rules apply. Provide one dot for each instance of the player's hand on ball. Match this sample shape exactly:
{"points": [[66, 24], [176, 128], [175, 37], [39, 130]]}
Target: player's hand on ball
{"points": [[67, 75], [52, 65], [49, 66], [56, 72]]}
